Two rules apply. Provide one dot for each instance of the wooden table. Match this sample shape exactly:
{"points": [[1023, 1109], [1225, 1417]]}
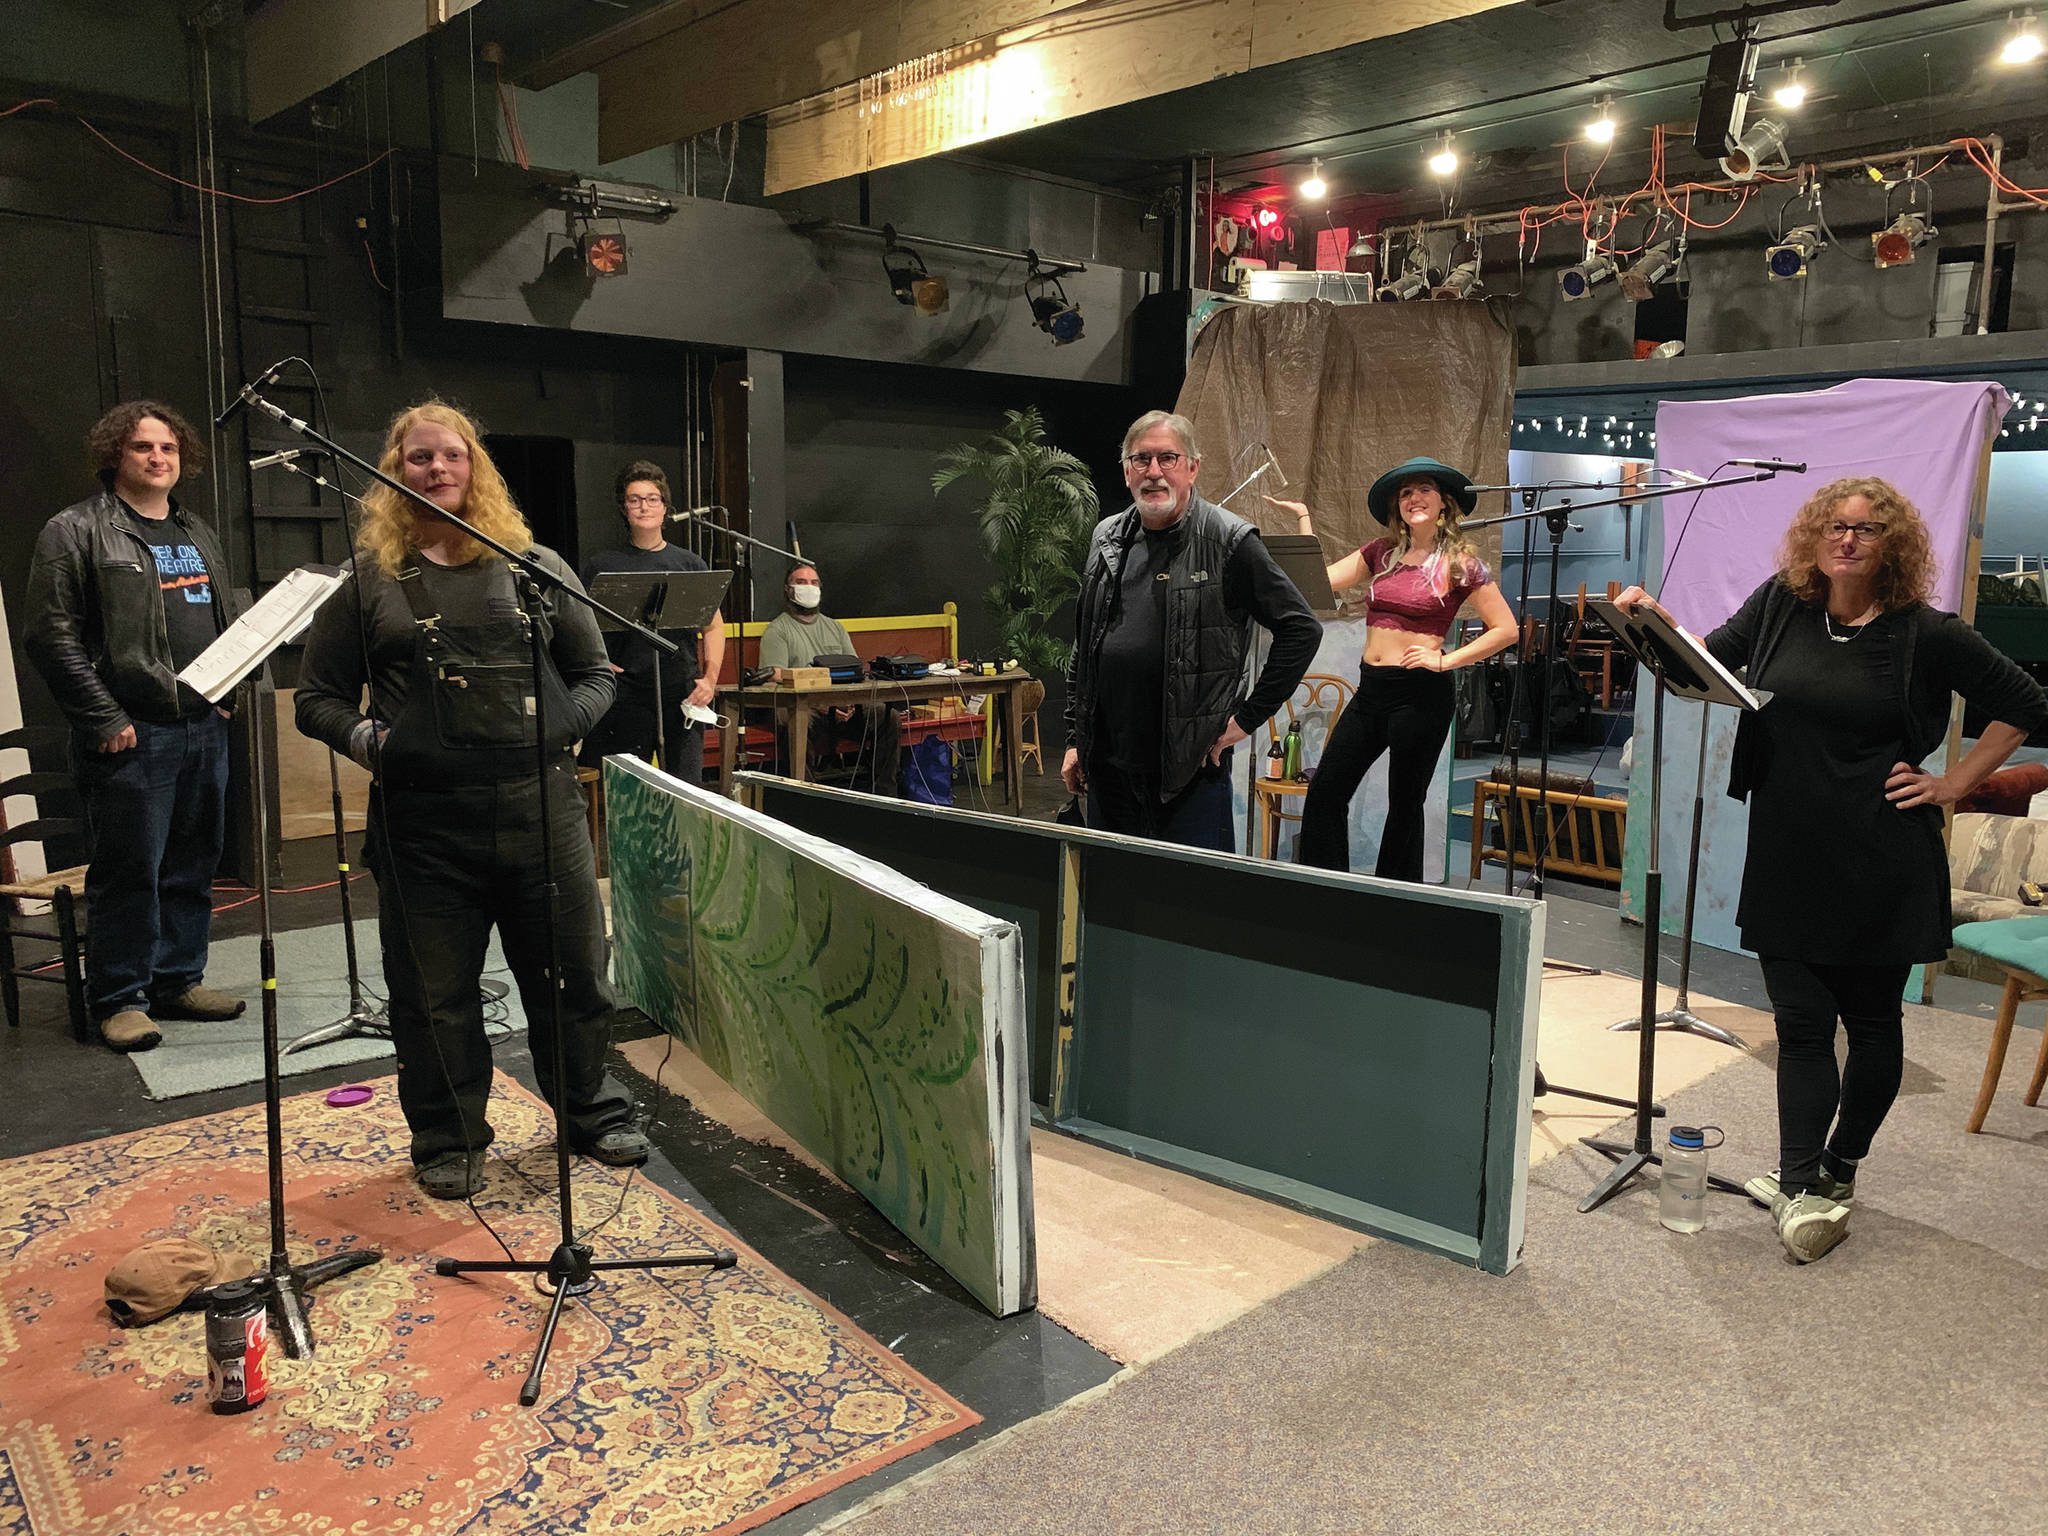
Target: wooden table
{"points": [[794, 707]]}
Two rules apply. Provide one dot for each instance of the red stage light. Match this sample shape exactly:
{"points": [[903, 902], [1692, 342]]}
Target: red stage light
{"points": [[1268, 217]]}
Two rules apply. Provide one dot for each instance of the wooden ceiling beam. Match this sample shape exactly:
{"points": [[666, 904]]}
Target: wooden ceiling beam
{"points": [[741, 59], [1102, 55]]}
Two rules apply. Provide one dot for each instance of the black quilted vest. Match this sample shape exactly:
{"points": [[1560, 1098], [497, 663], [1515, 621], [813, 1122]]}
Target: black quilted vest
{"points": [[1206, 639]]}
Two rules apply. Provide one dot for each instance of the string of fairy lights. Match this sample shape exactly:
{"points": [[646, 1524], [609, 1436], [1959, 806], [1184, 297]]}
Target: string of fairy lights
{"points": [[1622, 437]]}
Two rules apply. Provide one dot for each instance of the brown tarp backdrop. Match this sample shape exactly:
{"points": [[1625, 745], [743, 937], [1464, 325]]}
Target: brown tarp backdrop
{"points": [[1341, 393]]}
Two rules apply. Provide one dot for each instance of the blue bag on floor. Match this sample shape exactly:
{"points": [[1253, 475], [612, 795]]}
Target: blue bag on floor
{"points": [[928, 776]]}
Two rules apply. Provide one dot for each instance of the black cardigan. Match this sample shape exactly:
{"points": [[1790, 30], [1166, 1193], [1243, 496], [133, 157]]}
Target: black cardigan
{"points": [[1936, 654]]}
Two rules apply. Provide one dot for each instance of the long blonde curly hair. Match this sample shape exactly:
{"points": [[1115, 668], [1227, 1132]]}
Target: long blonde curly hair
{"points": [[1905, 569], [389, 532], [1454, 561]]}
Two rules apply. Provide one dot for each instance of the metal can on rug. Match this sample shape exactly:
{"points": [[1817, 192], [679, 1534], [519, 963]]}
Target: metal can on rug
{"points": [[237, 1347]]}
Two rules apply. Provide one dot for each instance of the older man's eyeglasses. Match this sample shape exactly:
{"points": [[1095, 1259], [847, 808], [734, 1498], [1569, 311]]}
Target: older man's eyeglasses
{"points": [[1862, 533], [1165, 460]]}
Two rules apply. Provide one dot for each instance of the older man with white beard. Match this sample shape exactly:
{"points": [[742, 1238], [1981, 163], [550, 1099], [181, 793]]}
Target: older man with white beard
{"points": [[1155, 692]]}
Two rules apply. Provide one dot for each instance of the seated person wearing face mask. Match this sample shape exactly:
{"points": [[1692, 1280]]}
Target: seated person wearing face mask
{"points": [[800, 633]]}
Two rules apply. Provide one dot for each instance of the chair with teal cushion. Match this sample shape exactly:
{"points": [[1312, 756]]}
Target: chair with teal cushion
{"points": [[2019, 946]]}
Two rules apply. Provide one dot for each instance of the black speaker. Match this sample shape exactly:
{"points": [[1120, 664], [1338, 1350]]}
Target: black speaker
{"points": [[1731, 73]]}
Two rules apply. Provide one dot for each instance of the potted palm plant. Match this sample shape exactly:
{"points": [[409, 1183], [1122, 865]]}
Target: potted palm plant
{"points": [[1037, 512]]}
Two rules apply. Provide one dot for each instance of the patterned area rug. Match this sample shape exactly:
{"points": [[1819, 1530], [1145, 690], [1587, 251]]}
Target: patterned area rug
{"points": [[682, 1400]]}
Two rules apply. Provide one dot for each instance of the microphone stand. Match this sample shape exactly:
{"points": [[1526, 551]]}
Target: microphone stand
{"points": [[747, 544], [571, 1269], [361, 1019], [1558, 521], [1680, 1014]]}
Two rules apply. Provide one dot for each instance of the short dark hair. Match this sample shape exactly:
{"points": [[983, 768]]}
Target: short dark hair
{"points": [[801, 565], [641, 469], [110, 434]]}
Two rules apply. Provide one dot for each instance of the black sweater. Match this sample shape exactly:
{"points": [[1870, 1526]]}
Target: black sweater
{"points": [[1936, 653]]}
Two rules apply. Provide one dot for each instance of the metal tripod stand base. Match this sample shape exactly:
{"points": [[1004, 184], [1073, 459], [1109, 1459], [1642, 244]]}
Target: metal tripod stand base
{"points": [[285, 1287], [366, 1022], [1545, 1086], [1683, 1018], [1628, 1163], [571, 1271]]}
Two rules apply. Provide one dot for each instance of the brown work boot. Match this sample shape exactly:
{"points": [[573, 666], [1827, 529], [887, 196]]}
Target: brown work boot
{"points": [[130, 1030], [201, 1003]]}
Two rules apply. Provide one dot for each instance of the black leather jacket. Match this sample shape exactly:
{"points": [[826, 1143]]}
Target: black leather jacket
{"points": [[95, 621]]}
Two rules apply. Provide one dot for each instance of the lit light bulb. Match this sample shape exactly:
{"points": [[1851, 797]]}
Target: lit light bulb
{"points": [[1313, 186], [1445, 160], [1601, 129], [2023, 46], [1791, 91]]}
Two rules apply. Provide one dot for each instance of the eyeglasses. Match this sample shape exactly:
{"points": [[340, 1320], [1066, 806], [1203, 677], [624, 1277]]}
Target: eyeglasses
{"points": [[1165, 460], [1862, 533], [643, 501]]}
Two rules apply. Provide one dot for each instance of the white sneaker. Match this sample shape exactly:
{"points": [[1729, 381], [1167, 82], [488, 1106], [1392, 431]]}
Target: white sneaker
{"points": [[1763, 1189], [1810, 1225]]}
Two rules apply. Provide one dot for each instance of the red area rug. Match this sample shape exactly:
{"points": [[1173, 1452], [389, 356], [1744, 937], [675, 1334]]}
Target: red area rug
{"points": [[675, 1401]]}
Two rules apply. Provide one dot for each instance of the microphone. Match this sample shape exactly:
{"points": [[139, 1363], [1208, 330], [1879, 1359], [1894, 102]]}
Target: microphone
{"points": [[283, 456], [684, 514], [1773, 464], [248, 393]]}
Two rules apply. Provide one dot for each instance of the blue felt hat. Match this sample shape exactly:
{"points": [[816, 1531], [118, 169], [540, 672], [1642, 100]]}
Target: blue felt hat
{"points": [[1455, 484]]}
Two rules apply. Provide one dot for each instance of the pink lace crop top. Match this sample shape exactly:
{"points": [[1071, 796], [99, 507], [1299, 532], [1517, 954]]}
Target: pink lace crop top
{"points": [[1406, 599]]}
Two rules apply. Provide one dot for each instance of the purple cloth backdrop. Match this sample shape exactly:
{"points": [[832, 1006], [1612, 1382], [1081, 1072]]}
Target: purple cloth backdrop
{"points": [[1928, 439]]}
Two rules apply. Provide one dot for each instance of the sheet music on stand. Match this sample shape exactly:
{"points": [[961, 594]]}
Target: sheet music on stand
{"points": [[277, 618]]}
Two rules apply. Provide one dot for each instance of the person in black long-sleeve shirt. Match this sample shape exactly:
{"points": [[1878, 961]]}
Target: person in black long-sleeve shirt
{"points": [[432, 624], [1845, 886], [1155, 698]]}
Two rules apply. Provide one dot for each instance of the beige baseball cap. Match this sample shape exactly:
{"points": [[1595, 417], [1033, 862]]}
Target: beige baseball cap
{"points": [[158, 1278]]}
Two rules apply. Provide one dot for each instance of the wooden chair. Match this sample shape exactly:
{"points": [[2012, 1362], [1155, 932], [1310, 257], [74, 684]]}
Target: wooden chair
{"points": [[64, 889], [2019, 946], [1319, 697], [1029, 697]]}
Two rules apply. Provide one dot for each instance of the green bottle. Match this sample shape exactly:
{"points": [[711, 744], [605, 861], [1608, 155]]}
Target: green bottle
{"points": [[1290, 754]]}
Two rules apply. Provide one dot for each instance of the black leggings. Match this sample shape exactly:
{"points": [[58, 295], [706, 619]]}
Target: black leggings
{"points": [[1807, 999], [1404, 711]]}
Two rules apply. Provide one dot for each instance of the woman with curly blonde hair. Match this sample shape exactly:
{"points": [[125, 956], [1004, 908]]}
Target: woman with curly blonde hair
{"points": [[1845, 887], [433, 625]]}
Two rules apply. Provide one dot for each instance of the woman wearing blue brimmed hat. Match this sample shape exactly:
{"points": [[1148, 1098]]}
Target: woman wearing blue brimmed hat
{"points": [[1417, 579]]}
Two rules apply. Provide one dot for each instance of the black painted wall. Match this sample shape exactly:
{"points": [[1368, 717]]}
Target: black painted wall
{"points": [[862, 442]]}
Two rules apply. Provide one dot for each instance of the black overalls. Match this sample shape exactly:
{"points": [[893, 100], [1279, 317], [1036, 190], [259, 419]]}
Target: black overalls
{"points": [[457, 850]]}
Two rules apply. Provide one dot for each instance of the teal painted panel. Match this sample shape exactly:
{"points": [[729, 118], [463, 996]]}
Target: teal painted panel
{"points": [[1356, 1048], [877, 1023], [1322, 1034]]}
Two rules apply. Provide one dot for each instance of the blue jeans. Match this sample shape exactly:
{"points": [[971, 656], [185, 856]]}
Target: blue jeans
{"points": [[154, 819]]}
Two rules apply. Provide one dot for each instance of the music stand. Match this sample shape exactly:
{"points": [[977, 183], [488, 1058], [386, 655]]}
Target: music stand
{"points": [[244, 646], [672, 600], [1677, 664], [1301, 556]]}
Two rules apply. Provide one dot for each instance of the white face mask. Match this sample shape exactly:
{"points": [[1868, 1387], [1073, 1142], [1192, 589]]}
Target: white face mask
{"points": [[804, 596]]}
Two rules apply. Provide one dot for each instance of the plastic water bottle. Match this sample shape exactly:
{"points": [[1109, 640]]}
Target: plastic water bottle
{"points": [[1682, 1196]]}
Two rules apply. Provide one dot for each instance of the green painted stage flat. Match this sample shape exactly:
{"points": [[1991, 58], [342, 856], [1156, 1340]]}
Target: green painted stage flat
{"points": [[878, 1023]]}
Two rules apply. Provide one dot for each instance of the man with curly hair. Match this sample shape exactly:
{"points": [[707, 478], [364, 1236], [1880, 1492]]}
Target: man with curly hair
{"points": [[125, 591]]}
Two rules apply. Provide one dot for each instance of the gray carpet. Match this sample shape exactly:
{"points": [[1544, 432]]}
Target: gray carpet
{"points": [[1624, 1379], [312, 991]]}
